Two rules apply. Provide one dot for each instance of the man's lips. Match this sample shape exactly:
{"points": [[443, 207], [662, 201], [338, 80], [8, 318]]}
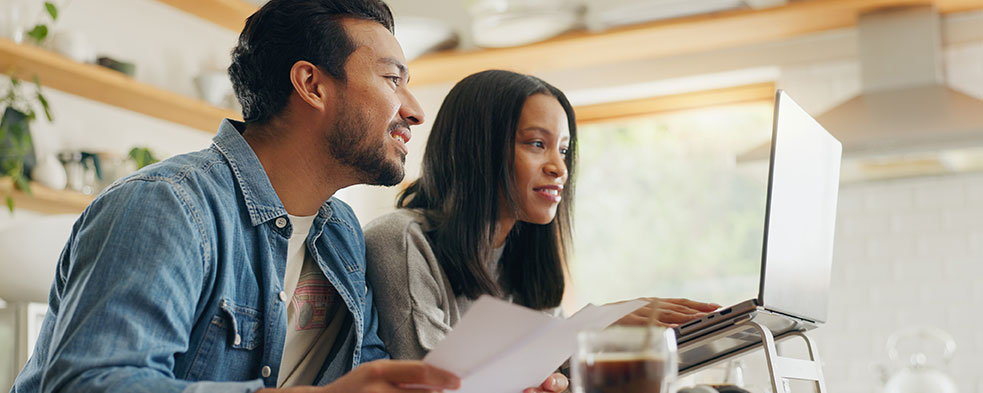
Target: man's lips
{"points": [[400, 130], [401, 133]]}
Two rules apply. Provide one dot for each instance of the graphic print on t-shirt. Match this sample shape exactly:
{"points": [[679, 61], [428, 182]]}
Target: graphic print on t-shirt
{"points": [[315, 300]]}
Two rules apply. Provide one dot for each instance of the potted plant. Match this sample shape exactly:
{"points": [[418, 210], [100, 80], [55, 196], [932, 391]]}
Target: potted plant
{"points": [[18, 111], [16, 147]]}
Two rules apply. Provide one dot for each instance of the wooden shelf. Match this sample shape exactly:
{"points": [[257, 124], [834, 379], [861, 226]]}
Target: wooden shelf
{"points": [[46, 200], [108, 86], [658, 39], [230, 14]]}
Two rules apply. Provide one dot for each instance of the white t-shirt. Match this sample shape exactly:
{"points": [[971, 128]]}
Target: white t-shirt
{"points": [[315, 313]]}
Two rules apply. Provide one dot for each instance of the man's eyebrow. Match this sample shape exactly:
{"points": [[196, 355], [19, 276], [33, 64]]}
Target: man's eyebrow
{"points": [[403, 70]]}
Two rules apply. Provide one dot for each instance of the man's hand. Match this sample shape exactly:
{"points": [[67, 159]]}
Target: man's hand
{"points": [[554, 384], [670, 312], [385, 376]]}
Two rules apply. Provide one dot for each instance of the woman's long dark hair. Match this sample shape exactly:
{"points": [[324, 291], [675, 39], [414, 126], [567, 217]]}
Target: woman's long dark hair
{"points": [[469, 162]]}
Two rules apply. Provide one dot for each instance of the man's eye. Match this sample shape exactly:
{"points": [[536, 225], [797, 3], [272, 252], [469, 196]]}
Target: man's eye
{"points": [[395, 79]]}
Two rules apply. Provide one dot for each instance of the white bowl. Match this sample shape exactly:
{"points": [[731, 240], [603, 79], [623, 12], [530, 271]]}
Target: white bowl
{"points": [[214, 87]]}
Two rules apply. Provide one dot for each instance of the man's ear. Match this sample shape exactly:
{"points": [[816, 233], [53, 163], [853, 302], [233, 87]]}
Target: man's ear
{"points": [[312, 85]]}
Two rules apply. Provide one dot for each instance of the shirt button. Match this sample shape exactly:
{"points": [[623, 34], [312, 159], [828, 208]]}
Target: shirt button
{"points": [[266, 371], [281, 222], [238, 340], [283, 296]]}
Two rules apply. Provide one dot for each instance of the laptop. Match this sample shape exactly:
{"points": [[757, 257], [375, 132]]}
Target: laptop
{"points": [[797, 255]]}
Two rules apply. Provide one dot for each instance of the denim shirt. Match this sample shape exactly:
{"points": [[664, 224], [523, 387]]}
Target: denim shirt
{"points": [[171, 281]]}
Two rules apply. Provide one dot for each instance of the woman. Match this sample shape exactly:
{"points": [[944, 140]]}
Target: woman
{"points": [[489, 215]]}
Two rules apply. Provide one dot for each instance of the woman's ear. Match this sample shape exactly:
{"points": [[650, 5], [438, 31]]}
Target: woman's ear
{"points": [[313, 86]]}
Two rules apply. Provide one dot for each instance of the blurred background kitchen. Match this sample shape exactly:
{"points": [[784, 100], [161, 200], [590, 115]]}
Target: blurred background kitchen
{"points": [[673, 100]]}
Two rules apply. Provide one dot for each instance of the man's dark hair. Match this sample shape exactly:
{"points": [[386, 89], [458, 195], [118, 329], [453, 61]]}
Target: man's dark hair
{"points": [[468, 165], [284, 32]]}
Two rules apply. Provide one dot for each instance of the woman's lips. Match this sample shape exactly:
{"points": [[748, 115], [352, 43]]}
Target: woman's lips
{"points": [[550, 193]]}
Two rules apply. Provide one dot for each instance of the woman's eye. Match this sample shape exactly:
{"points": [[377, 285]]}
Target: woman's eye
{"points": [[538, 144], [564, 151], [394, 79]]}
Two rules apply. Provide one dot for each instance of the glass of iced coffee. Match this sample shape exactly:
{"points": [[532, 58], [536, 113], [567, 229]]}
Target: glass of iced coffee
{"points": [[623, 359]]}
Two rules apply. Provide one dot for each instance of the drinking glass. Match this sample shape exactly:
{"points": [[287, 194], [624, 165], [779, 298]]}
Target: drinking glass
{"points": [[623, 359]]}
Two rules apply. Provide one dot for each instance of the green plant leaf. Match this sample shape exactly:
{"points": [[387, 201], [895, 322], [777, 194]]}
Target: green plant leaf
{"points": [[10, 203], [25, 139], [142, 156], [52, 10], [38, 33], [45, 106], [22, 183], [14, 81], [22, 142]]}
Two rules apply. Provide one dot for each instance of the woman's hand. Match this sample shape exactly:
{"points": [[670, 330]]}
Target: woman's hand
{"points": [[669, 312], [554, 384]]}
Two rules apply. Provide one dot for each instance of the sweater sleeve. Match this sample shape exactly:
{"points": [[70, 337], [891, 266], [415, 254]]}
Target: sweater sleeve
{"points": [[411, 295]]}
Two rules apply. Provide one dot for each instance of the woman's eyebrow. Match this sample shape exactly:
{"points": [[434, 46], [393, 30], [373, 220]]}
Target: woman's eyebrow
{"points": [[537, 129]]}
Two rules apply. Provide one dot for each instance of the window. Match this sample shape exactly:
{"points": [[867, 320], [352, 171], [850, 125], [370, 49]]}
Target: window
{"points": [[663, 209]]}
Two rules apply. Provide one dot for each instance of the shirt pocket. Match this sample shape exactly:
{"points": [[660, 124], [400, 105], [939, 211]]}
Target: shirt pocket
{"points": [[245, 325], [228, 350]]}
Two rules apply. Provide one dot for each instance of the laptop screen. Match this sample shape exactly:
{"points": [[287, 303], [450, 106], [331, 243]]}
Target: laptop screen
{"points": [[800, 215]]}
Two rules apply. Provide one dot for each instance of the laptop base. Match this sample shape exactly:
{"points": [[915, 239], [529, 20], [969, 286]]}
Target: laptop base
{"points": [[734, 334], [753, 335]]}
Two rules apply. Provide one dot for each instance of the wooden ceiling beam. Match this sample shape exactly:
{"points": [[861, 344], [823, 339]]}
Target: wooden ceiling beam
{"points": [[759, 92], [665, 38]]}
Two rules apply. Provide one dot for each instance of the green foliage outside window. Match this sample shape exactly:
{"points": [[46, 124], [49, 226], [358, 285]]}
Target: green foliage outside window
{"points": [[664, 210]]}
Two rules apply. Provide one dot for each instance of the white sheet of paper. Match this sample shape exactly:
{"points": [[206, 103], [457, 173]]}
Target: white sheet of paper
{"points": [[500, 347]]}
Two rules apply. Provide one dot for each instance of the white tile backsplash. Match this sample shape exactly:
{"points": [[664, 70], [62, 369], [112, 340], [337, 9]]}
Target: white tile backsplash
{"points": [[963, 220], [915, 222], [908, 252], [939, 193], [884, 197]]}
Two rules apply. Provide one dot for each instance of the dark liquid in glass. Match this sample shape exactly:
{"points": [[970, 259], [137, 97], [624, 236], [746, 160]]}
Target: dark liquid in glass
{"points": [[640, 375]]}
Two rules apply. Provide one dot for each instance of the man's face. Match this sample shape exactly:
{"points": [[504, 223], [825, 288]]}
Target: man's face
{"points": [[375, 110]]}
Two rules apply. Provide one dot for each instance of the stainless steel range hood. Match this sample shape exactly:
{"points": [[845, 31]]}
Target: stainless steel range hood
{"points": [[904, 106]]}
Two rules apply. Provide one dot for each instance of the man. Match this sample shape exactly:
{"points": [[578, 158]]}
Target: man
{"points": [[233, 269]]}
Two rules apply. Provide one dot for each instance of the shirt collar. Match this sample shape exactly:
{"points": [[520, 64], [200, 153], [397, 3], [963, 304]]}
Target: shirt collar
{"points": [[261, 200]]}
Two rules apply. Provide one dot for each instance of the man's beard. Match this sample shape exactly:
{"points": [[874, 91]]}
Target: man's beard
{"points": [[350, 145]]}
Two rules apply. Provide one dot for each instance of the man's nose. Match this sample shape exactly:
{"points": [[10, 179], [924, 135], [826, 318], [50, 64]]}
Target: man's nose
{"points": [[410, 108]]}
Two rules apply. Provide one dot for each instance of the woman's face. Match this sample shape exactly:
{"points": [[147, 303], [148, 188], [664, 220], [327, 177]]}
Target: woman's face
{"points": [[541, 143]]}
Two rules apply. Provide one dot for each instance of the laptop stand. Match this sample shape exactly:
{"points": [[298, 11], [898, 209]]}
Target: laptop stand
{"points": [[780, 368]]}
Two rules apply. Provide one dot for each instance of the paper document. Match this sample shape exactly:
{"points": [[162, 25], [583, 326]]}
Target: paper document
{"points": [[500, 347]]}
